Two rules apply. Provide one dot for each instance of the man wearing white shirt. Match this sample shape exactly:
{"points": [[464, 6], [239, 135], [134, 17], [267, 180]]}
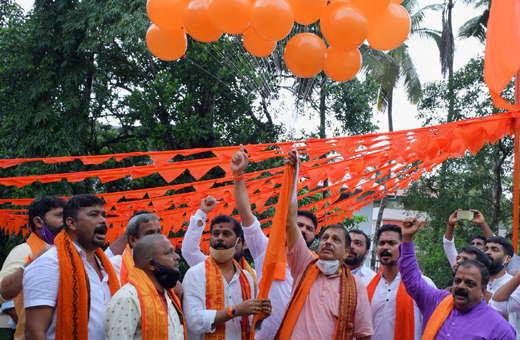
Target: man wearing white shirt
{"points": [[355, 260], [218, 294], [257, 241]]}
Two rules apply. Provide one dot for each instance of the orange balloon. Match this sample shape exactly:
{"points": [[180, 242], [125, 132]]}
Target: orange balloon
{"points": [[342, 65], [371, 6], [330, 7], [166, 44], [197, 22], [231, 16], [272, 20], [346, 28], [388, 29], [308, 11], [256, 45], [304, 55], [166, 13]]}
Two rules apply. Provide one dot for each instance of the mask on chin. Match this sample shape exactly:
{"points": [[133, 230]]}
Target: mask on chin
{"points": [[47, 235], [223, 255], [329, 267], [167, 277]]}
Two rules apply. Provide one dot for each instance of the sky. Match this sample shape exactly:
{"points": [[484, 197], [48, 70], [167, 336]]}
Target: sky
{"points": [[426, 57]]}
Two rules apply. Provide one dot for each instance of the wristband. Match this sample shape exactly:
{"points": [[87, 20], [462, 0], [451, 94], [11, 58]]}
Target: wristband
{"points": [[238, 177], [231, 311]]}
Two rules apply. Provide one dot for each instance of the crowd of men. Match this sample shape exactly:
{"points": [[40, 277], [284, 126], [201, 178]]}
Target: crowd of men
{"points": [[63, 286]]}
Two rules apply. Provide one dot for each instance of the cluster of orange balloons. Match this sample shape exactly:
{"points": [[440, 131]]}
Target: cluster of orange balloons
{"points": [[345, 25]]}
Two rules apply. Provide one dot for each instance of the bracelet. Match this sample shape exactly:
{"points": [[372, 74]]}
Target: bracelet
{"points": [[231, 311], [238, 177]]}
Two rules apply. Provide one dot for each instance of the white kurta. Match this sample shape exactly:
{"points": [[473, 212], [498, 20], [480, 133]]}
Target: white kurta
{"points": [[510, 307]]}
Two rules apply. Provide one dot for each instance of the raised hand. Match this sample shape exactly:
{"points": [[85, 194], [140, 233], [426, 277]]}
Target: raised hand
{"points": [[292, 158], [239, 161], [208, 204], [411, 226], [478, 218], [453, 220]]}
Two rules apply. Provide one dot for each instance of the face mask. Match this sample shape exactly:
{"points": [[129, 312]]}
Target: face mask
{"points": [[328, 267], [222, 255], [167, 277], [497, 270], [48, 237]]}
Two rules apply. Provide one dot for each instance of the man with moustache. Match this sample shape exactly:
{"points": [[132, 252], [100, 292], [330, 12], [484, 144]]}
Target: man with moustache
{"points": [[471, 253], [67, 290], [355, 260], [45, 220], [392, 308], [218, 295], [147, 307], [463, 314], [257, 241]]}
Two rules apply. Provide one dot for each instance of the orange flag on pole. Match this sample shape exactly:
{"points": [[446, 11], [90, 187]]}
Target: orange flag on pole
{"points": [[274, 260], [502, 48]]}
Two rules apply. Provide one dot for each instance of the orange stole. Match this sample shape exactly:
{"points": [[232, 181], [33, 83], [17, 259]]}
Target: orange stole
{"points": [[127, 263], [154, 317], [248, 268], [215, 296], [438, 317], [35, 243], [404, 318], [73, 306], [347, 310]]}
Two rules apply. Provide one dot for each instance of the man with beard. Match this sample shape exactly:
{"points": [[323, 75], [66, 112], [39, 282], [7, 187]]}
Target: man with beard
{"points": [[392, 307], [147, 307], [45, 219], [218, 295], [463, 314], [355, 260], [191, 245], [257, 241], [60, 286]]}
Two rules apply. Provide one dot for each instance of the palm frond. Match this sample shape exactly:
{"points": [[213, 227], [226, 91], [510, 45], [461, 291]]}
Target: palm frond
{"points": [[475, 27]]}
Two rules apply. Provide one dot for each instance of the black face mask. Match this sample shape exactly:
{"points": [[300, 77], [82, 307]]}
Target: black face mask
{"points": [[167, 277]]}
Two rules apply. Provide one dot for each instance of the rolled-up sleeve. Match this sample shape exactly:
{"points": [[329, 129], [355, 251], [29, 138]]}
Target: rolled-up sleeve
{"points": [[198, 318], [14, 260], [511, 305], [255, 239], [41, 281], [191, 245]]}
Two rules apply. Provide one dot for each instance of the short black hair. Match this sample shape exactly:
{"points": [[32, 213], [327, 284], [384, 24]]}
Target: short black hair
{"points": [[389, 227], [345, 231], [361, 232], [237, 228], [309, 215], [506, 246], [481, 256], [77, 202], [479, 236], [42, 205], [483, 270]]}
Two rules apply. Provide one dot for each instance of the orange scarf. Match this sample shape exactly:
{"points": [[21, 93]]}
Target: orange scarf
{"points": [[154, 317], [348, 302], [438, 317], [248, 268], [404, 318], [127, 263], [74, 289], [35, 243], [215, 296]]}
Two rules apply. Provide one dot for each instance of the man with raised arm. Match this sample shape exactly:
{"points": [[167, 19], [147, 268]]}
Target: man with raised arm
{"points": [[463, 314], [218, 295], [327, 301], [147, 307], [355, 260], [257, 241]]}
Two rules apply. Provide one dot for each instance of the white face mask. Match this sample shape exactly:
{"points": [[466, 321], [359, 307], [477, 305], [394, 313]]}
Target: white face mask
{"points": [[223, 255], [328, 267]]}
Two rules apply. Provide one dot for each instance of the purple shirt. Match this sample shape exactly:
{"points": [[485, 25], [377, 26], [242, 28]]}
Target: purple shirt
{"points": [[475, 322]]}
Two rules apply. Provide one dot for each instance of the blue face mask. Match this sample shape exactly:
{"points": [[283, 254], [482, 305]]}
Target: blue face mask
{"points": [[167, 277]]}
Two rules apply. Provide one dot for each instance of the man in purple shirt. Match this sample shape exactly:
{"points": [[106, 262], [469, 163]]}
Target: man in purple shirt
{"points": [[471, 317]]}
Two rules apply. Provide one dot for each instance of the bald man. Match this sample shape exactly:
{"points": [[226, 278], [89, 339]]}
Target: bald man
{"points": [[149, 290]]}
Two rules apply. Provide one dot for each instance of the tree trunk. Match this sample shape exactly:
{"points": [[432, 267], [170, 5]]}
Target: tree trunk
{"points": [[374, 240]]}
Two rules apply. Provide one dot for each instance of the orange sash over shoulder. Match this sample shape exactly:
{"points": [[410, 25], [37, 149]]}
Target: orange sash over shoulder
{"points": [[154, 317], [35, 243], [215, 296], [438, 317], [73, 306], [404, 318], [127, 263], [347, 310], [248, 268]]}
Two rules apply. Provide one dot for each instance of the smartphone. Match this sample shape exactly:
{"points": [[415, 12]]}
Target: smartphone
{"points": [[465, 215]]}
